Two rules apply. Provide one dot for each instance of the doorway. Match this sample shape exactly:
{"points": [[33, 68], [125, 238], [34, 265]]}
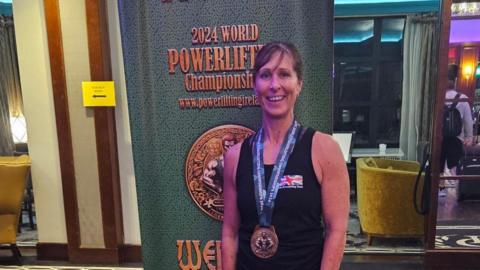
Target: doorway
{"points": [[453, 238], [13, 135]]}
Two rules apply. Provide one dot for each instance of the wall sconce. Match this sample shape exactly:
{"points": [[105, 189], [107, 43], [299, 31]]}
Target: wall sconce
{"points": [[468, 71]]}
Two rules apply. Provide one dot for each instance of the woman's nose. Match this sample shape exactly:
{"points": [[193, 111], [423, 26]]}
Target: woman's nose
{"points": [[274, 83]]}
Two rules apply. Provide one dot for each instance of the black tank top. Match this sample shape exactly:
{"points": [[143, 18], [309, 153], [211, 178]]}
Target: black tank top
{"points": [[297, 216]]}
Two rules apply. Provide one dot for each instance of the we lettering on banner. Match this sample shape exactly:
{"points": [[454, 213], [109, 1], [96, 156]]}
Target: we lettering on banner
{"points": [[191, 256]]}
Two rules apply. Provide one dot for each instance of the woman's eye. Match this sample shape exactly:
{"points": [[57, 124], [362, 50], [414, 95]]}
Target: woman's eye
{"points": [[265, 75], [284, 74]]}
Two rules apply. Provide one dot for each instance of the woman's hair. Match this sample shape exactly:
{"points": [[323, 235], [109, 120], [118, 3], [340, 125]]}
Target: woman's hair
{"points": [[452, 76], [452, 72], [269, 49]]}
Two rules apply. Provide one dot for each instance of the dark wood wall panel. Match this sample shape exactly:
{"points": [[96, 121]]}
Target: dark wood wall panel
{"points": [[452, 259], [105, 132], [59, 252], [52, 251], [105, 128], [60, 100]]}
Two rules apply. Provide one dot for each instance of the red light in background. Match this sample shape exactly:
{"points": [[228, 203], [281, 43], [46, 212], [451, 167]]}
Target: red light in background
{"points": [[452, 53]]}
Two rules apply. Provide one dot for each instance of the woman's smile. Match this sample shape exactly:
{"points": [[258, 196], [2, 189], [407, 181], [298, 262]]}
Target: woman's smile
{"points": [[275, 98]]}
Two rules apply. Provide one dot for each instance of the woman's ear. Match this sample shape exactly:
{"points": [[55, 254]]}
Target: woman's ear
{"points": [[300, 85]]}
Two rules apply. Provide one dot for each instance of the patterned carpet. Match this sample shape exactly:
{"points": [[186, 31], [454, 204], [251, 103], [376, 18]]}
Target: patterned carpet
{"points": [[461, 234]]}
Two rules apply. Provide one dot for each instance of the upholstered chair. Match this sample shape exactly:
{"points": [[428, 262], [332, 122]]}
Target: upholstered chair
{"points": [[13, 174], [385, 198]]}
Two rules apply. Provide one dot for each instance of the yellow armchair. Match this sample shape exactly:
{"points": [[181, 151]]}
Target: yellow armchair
{"points": [[13, 173], [385, 198]]}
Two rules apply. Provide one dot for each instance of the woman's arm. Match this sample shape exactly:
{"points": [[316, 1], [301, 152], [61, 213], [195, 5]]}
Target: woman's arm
{"points": [[467, 123], [231, 217], [332, 174]]}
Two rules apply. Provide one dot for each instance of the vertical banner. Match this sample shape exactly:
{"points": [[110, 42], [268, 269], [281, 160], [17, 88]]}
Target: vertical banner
{"points": [[189, 79]]}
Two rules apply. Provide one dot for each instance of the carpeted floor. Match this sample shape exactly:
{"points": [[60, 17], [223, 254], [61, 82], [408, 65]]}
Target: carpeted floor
{"points": [[458, 234], [28, 237], [458, 224]]}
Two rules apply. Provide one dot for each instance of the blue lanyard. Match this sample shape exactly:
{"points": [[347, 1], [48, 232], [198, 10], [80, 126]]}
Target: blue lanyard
{"points": [[265, 199]]}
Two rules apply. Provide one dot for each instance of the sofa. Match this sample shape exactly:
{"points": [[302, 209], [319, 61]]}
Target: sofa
{"points": [[13, 175], [385, 191]]}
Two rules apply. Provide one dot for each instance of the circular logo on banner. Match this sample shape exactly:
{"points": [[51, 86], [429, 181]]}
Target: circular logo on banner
{"points": [[204, 166]]}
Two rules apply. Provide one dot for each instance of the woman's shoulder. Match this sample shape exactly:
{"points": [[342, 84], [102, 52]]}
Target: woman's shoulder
{"points": [[323, 144], [323, 140], [325, 152]]}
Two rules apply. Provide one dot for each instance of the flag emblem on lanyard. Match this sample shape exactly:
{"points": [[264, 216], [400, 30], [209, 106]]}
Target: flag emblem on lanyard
{"points": [[291, 181]]}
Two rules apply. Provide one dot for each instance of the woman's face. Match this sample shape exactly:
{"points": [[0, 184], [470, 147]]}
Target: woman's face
{"points": [[277, 86]]}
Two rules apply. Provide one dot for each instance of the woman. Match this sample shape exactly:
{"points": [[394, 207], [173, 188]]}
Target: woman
{"points": [[296, 219]]}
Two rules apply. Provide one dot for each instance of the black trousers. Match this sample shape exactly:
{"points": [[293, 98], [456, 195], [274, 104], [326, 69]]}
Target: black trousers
{"points": [[452, 152]]}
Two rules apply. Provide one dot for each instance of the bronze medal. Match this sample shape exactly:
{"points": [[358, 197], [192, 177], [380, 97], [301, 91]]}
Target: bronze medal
{"points": [[264, 242]]}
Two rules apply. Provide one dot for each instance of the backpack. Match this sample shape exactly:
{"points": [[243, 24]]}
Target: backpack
{"points": [[452, 119]]}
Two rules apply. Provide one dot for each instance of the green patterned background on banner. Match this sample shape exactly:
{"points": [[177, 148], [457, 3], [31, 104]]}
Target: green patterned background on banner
{"points": [[163, 132]]}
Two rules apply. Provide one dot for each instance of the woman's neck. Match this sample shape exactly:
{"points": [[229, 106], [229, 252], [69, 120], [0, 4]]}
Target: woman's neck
{"points": [[276, 129]]}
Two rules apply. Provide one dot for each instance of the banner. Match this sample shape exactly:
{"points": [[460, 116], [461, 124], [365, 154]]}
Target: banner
{"points": [[188, 67]]}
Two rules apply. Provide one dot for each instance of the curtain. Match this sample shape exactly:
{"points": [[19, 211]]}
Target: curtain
{"points": [[10, 93], [418, 93]]}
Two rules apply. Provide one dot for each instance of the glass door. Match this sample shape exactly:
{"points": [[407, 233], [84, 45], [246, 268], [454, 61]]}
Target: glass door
{"points": [[453, 227]]}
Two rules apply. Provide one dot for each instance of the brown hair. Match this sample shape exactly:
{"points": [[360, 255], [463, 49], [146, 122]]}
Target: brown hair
{"points": [[269, 49], [452, 76]]}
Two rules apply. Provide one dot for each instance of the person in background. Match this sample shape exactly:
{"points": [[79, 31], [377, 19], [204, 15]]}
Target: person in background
{"points": [[453, 147]]}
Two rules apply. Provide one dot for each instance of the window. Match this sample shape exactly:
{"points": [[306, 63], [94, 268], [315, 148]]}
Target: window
{"points": [[368, 79]]}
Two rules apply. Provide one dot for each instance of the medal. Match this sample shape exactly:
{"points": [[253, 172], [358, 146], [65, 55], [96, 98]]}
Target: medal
{"points": [[264, 241]]}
